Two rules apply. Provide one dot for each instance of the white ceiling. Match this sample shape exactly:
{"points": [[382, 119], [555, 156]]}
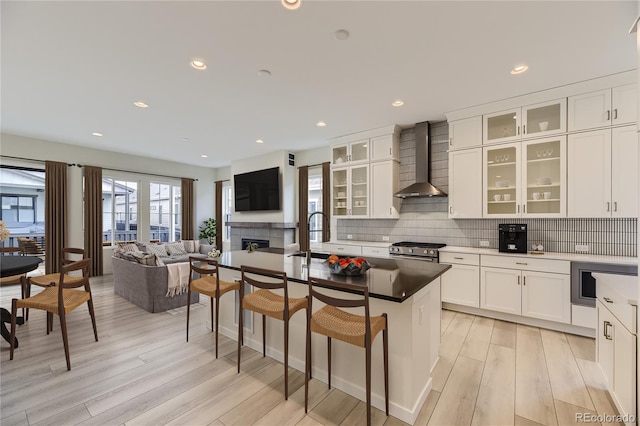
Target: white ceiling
{"points": [[73, 68]]}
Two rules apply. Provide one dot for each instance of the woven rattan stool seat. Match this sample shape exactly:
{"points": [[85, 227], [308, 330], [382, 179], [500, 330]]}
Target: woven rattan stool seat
{"points": [[270, 304], [207, 286], [338, 324]]}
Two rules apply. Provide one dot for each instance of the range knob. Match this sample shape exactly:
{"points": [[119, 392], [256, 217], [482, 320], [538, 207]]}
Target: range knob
{"points": [[410, 250], [432, 252]]}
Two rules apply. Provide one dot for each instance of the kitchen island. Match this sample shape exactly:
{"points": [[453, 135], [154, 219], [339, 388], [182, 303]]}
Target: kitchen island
{"points": [[407, 290]]}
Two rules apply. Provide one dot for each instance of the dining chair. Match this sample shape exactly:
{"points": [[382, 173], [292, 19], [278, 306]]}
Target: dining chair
{"points": [[209, 284], [60, 300], [69, 254], [15, 279], [270, 304], [336, 323]]}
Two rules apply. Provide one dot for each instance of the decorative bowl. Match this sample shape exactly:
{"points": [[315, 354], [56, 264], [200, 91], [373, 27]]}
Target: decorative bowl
{"points": [[543, 181], [349, 269], [502, 183]]}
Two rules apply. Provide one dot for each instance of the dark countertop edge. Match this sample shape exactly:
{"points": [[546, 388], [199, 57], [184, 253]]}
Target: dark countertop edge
{"points": [[270, 225], [373, 295]]}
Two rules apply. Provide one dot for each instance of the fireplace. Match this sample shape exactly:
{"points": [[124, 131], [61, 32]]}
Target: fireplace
{"points": [[261, 243]]}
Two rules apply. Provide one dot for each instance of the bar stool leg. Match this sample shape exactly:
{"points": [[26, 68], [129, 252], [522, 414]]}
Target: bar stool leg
{"points": [[239, 332], [286, 359], [217, 322], [188, 310], [385, 348], [264, 336], [368, 381], [329, 361]]}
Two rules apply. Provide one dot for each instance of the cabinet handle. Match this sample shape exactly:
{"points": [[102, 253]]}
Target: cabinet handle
{"points": [[451, 209], [524, 280], [607, 324], [450, 141], [521, 263], [524, 129], [608, 206], [606, 299], [608, 115], [518, 208], [518, 129], [459, 258], [615, 206], [524, 208], [389, 151], [615, 114], [518, 279]]}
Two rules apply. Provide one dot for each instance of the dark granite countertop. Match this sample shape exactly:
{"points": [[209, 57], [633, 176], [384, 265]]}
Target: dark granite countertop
{"points": [[390, 279]]}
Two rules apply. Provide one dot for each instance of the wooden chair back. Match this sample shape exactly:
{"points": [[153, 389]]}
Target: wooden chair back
{"points": [[79, 265], [12, 251]]}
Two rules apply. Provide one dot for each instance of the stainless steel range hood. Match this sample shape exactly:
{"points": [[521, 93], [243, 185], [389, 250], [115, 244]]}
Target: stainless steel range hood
{"points": [[422, 187]]}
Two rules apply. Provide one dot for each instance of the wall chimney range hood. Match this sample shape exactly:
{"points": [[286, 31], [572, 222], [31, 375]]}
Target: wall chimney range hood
{"points": [[422, 187]]}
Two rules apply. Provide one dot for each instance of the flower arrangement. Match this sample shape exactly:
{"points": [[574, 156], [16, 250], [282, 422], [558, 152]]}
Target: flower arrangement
{"points": [[251, 247], [4, 232], [208, 230]]}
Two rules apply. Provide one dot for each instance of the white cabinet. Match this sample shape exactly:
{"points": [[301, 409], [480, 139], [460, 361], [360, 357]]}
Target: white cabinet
{"points": [[385, 147], [465, 183], [346, 249], [617, 106], [616, 338], [603, 173], [525, 179], [542, 119], [465, 133], [351, 152], [461, 283], [522, 286], [350, 191], [384, 184]]}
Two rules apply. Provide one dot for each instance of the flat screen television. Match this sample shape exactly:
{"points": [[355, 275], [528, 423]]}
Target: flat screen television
{"points": [[258, 190]]}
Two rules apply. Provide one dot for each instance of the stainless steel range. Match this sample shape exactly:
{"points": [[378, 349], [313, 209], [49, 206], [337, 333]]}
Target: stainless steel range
{"points": [[422, 251]]}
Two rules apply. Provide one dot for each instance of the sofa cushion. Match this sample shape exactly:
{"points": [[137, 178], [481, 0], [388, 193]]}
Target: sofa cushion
{"points": [[148, 259], [191, 246], [175, 249], [128, 246], [157, 249]]}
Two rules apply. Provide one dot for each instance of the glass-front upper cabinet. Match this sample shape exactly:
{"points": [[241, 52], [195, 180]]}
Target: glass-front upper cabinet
{"points": [[350, 191], [502, 180], [353, 152], [544, 174], [339, 191], [544, 119], [359, 191], [530, 121]]}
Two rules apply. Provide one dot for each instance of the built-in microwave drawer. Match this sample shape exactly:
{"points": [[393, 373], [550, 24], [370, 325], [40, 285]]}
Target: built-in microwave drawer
{"points": [[527, 263], [616, 293], [381, 252], [460, 258]]}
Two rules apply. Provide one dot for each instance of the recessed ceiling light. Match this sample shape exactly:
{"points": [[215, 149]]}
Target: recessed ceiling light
{"points": [[97, 134], [259, 141], [185, 139], [321, 124], [341, 35], [264, 73], [141, 104], [204, 156], [199, 64], [291, 4], [397, 103], [519, 69]]}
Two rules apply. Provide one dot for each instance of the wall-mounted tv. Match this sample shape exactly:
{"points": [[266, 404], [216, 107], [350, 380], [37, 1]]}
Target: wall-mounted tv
{"points": [[258, 190]]}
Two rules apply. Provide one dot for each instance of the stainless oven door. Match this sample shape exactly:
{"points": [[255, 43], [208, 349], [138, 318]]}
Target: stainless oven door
{"points": [[583, 285], [407, 256]]}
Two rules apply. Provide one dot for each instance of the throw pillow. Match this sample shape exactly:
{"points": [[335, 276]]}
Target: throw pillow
{"points": [[128, 247], [159, 250], [191, 246], [145, 259], [175, 249]]}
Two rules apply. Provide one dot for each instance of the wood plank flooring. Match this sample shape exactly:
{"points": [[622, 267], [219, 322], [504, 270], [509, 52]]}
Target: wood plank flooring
{"points": [[142, 372]]}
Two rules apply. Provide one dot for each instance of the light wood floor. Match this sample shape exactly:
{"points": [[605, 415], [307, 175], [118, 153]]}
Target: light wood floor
{"points": [[142, 372]]}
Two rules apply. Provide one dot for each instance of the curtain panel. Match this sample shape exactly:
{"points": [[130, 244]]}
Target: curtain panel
{"points": [[186, 209], [326, 200], [56, 200], [93, 218], [303, 207], [219, 215]]}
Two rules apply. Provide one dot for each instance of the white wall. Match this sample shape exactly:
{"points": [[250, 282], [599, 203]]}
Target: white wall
{"points": [[38, 149]]}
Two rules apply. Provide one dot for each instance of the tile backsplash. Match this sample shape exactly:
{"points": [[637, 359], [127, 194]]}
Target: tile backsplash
{"points": [[425, 219]]}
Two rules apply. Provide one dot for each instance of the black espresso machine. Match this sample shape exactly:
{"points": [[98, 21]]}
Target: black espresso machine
{"points": [[512, 238]]}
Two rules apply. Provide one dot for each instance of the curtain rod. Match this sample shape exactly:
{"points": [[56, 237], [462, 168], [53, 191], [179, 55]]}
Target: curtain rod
{"points": [[313, 165], [30, 159], [138, 173]]}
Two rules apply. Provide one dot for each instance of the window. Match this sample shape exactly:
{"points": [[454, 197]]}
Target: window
{"points": [[22, 198], [315, 204], [165, 206], [119, 211], [227, 207]]}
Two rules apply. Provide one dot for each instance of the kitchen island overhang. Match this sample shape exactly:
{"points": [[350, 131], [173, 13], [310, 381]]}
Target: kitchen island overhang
{"points": [[407, 290]]}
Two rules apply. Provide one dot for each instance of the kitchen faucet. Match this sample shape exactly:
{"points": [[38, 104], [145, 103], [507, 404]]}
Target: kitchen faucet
{"points": [[309, 230]]}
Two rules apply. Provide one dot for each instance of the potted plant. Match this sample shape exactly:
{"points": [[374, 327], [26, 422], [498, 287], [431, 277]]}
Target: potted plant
{"points": [[251, 247], [208, 231]]}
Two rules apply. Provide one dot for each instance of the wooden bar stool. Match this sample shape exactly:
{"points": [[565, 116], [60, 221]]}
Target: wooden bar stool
{"points": [[209, 284], [269, 304], [338, 324]]}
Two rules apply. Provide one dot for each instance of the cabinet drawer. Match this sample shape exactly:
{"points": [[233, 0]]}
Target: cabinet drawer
{"points": [[527, 264], [342, 249], [610, 290], [381, 252], [460, 258]]}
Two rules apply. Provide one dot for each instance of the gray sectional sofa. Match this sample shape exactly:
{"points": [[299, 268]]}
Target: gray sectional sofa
{"points": [[146, 286]]}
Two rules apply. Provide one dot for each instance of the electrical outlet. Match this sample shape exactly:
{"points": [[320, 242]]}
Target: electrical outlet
{"points": [[349, 237], [484, 243], [385, 238], [582, 248]]}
